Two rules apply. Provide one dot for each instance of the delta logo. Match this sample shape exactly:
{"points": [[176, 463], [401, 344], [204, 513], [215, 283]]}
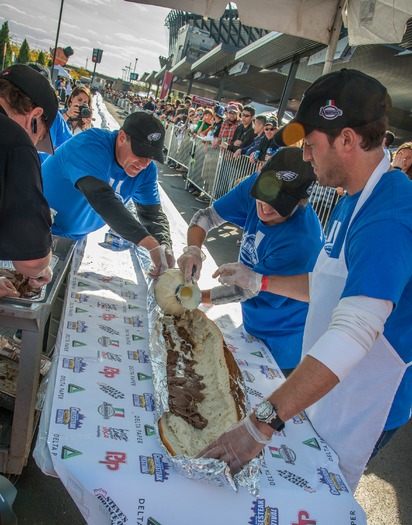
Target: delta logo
{"points": [[145, 401], [79, 326], [71, 417], [138, 355], [154, 466], [283, 452], [134, 320], [263, 515], [270, 373], [75, 364], [333, 481]]}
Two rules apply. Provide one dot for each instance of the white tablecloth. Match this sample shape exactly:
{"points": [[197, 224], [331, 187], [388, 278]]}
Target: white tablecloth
{"points": [[101, 433]]}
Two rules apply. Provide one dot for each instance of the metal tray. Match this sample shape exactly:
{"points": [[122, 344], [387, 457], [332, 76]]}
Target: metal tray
{"points": [[8, 265]]}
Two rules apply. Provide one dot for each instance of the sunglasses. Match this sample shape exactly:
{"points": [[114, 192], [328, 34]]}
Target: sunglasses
{"points": [[270, 129], [246, 115]]}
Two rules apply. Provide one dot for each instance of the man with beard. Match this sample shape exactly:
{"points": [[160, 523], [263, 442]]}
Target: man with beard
{"points": [[355, 378]]}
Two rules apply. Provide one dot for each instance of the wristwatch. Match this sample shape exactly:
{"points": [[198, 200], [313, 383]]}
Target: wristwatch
{"points": [[266, 413]]}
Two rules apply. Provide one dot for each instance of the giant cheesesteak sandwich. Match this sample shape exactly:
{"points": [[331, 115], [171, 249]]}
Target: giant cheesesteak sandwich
{"points": [[205, 397]]}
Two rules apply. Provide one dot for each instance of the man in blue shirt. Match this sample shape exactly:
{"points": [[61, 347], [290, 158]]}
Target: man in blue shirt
{"points": [[93, 175], [281, 235], [355, 379]]}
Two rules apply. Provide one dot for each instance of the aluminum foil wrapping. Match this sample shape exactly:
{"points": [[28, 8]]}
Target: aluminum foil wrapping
{"points": [[209, 470]]}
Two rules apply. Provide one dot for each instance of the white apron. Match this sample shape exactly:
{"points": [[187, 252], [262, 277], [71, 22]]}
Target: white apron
{"points": [[352, 416]]}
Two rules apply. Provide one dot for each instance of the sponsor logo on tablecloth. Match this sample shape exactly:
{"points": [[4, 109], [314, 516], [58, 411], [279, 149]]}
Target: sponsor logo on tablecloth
{"points": [[75, 364], [116, 515], [333, 481], [303, 519], [296, 480], [113, 460], [113, 392], [118, 434], [71, 417], [107, 410], [283, 452], [145, 401], [263, 515], [138, 355], [154, 466]]}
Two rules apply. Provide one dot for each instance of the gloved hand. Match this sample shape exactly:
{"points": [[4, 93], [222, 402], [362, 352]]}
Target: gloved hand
{"points": [[42, 279], [170, 257], [238, 273], [190, 263], [159, 262], [237, 446], [7, 289]]}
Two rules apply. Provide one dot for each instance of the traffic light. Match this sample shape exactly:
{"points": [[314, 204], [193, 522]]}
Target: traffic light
{"points": [[97, 55]]}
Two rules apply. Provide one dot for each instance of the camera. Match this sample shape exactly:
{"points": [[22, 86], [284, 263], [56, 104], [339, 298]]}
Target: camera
{"points": [[84, 112]]}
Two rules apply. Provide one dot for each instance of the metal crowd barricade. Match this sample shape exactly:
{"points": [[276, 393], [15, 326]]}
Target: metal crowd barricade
{"points": [[323, 200], [229, 171], [215, 171], [181, 145], [203, 166], [168, 137]]}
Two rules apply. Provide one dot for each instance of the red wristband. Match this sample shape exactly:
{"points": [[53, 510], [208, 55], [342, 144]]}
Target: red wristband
{"points": [[264, 283]]}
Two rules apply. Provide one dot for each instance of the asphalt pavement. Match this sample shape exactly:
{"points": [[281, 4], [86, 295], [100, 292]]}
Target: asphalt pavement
{"points": [[385, 491]]}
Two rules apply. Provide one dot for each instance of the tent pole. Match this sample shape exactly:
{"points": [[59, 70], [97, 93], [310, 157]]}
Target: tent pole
{"points": [[334, 38]]}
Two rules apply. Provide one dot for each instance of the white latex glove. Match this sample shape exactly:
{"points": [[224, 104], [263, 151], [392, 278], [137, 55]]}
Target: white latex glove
{"points": [[7, 289], [190, 263], [42, 279], [237, 446], [159, 262], [170, 257], [238, 273]]}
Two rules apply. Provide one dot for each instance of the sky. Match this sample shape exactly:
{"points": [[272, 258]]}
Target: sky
{"points": [[124, 30]]}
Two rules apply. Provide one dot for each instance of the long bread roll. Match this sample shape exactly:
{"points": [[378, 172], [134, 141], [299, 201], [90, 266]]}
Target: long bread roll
{"points": [[205, 397]]}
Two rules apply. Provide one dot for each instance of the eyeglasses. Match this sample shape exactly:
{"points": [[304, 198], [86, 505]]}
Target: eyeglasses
{"points": [[246, 115], [270, 129]]}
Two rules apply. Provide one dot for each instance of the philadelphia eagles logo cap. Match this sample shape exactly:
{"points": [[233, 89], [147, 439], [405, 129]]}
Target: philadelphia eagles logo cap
{"points": [[39, 90], [284, 180], [345, 98], [146, 133]]}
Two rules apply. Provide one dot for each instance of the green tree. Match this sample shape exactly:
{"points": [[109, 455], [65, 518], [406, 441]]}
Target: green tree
{"points": [[42, 58], [24, 54], [5, 39]]}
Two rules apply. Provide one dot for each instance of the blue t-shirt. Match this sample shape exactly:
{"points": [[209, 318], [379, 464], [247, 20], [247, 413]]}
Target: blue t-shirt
{"points": [[378, 256], [91, 153], [59, 133], [289, 248]]}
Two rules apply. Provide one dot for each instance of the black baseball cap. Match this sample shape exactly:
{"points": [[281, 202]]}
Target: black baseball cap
{"points": [[345, 98], [284, 180], [147, 135], [37, 87]]}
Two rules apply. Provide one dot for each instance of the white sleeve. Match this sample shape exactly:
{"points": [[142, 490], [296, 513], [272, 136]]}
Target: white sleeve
{"points": [[356, 323], [206, 219]]}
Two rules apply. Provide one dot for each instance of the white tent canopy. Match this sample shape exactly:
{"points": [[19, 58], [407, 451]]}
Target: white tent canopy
{"points": [[368, 21], [61, 72]]}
